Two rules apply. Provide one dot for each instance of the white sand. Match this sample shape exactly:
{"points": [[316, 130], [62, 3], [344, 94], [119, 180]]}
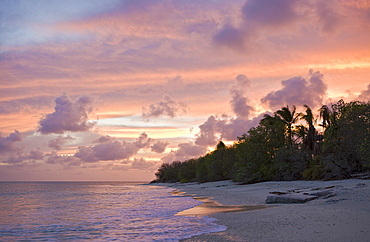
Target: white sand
{"points": [[344, 217]]}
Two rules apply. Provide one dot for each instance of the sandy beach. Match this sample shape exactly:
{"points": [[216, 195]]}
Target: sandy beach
{"points": [[342, 215]]}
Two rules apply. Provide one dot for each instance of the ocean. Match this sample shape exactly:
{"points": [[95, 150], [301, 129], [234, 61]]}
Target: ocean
{"points": [[96, 211]]}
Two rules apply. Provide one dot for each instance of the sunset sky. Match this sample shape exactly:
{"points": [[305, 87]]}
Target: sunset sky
{"points": [[109, 90]]}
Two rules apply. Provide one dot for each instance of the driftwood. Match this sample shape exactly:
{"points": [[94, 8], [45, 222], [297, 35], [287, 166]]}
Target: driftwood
{"points": [[302, 196], [289, 198]]}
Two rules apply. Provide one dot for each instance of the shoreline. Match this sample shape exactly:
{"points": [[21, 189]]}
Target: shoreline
{"points": [[344, 216]]}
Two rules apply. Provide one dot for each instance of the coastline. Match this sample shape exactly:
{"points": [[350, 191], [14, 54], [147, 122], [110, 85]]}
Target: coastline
{"points": [[345, 216]]}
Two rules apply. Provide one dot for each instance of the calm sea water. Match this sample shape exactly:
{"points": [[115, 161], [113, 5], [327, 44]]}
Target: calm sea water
{"points": [[96, 211]]}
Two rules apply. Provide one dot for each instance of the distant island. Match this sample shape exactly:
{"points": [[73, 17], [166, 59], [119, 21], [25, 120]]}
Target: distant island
{"points": [[286, 146]]}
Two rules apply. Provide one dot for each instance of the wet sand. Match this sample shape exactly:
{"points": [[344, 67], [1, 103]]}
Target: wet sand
{"points": [[242, 208], [210, 207]]}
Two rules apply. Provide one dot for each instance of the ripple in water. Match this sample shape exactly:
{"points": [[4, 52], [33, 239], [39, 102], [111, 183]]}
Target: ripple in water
{"points": [[55, 211]]}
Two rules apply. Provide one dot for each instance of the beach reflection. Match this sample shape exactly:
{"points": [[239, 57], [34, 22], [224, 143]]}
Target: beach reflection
{"points": [[209, 207]]}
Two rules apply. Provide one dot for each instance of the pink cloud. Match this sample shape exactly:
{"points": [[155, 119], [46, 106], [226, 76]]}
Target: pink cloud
{"points": [[365, 95], [159, 146], [22, 104], [257, 15], [12, 154], [7, 144], [329, 18], [270, 13], [298, 91], [142, 164], [31, 157], [168, 107], [58, 142], [185, 151], [111, 150], [108, 148], [223, 128], [239, 102], [230, 36], [67, 160], [211, 132], [143, 141], [207, 135], [228, 128], [69, 115]]}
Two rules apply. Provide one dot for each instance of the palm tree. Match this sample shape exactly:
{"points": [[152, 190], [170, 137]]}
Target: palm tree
{"points": [[329, 120], [328, 116], [310, 138], [330, 124], [289, 118]]}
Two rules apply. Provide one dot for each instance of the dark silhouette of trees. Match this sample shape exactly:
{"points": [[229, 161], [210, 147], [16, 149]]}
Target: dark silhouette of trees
{"points": [[289, 117], [280, 149], [310, 134]]}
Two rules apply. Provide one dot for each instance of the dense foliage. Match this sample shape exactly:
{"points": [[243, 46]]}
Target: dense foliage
{"points": [[287, 146]]}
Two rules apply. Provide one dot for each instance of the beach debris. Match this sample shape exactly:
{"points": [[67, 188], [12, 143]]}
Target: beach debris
{"points": [[278, 193], [222, 185], [304, 195], [362, 176], [289, 198], [323, 193], [329, 187]]}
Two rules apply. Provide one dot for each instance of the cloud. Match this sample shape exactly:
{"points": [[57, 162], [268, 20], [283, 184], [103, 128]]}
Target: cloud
{"points": [[59, 142], [142, 164], [54, 158], [231, 37], [211, 132], [87, 154], [143, 141], [168, 107], [68, 116], [239, 102], [257, 15], [270, 13], [7, 144], [35, 155], [228, 128], [224, 128], [184, 152], [13, 160], [329, 19], [231, 128], [263, 22], [174, 84], [207, 133], [298, 91], [108, 148], [11, 154], [159, 146], [111, 150], [32, 156], [365, 95], [29, 104]]}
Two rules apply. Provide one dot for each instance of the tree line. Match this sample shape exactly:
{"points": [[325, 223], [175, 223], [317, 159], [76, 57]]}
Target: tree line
{"points": [[287, 146]]}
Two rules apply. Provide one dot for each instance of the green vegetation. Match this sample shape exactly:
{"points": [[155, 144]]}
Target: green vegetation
{"points": [[287, 146]]}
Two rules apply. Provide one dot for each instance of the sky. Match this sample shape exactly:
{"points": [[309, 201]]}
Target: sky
{"points": [[95, 90]]}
